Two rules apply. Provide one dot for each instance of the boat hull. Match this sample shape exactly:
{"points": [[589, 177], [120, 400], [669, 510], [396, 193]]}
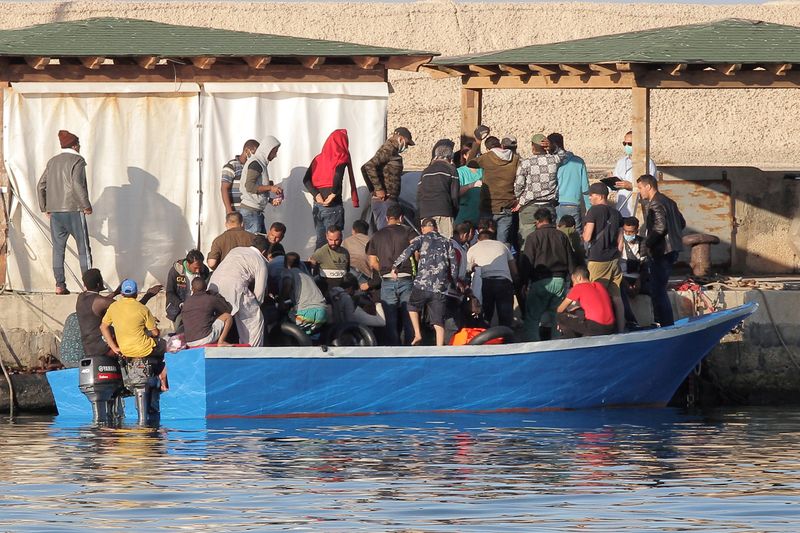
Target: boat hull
{"points": [[636, 369]]}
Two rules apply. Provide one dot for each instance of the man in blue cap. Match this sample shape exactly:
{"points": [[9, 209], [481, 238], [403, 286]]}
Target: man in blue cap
{"points": [[135, 334]]}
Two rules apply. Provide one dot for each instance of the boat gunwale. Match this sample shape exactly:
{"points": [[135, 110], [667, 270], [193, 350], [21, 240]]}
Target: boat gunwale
{"points": [[485, 350]]}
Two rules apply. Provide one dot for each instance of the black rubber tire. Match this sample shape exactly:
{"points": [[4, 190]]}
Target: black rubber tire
{"points": [[497, 332], [288, 334], [352, 334]]}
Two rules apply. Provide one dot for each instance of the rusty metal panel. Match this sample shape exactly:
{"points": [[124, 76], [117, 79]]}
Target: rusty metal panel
{"points": [[708, 208]]}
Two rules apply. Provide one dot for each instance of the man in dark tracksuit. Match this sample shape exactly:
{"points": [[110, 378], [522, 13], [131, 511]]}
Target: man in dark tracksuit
{"points": [[383, 174], [179, 284], [64, 197]]}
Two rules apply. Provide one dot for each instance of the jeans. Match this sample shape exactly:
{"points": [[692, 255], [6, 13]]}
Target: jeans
{"points": [[253, 219], [544, 296], [575, 212], [503, 222], [325, 217], [660, 270], [379, 208], [62, 225], [498, 293], [394, 296]]}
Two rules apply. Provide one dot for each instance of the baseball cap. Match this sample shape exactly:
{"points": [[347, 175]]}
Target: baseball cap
{"points": [[405, 133], [537, 138], [129, 287], [598, 188], [509, 141]]}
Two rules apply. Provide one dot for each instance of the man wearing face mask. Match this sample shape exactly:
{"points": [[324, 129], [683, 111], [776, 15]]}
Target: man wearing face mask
{"points": [[383, 174], [259, 191], [624, 174], [231, 174]]}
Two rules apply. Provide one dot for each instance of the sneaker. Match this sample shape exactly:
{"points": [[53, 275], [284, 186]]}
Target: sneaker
{"points": [[62, 291]]}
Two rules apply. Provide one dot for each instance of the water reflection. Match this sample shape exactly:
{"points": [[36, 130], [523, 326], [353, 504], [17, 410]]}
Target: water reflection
{"points": [[593, 470]]}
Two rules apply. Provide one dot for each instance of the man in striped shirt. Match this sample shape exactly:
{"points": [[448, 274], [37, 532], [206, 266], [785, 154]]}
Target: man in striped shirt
{"points": [[231, 174]]}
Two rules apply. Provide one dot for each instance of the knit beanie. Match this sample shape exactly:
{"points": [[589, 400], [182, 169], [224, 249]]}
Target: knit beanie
{"points": [[67, 139]]}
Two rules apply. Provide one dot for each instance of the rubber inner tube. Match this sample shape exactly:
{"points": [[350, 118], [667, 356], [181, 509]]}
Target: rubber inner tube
{"points": [[497, 332], [288, 334], [353, 334]]}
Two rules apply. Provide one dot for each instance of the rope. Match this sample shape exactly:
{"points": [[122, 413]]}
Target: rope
{"points": [[11, 399]]}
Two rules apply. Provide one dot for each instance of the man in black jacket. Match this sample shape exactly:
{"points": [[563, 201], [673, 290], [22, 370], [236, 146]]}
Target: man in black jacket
{"points": [[438, 188], [546, 264], [664, 226]]}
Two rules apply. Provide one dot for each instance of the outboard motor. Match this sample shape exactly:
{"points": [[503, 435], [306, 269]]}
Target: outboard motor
{"points": [[140, 375], [100, 379]]}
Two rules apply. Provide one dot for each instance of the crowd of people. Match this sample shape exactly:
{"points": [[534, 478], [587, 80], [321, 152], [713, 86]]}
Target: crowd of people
{"points": [[494, 228]]}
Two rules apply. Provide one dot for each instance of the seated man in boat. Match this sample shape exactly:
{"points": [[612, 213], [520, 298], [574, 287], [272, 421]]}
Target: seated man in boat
{"points": [[332, 260], [91, 307], [349, 307], [595, 316], [300, 296], [179, 284], [241, 278], [135, 335], [206, 317]]}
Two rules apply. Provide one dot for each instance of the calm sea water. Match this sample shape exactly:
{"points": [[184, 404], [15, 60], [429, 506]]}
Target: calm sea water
{"points": [[617, 470]]}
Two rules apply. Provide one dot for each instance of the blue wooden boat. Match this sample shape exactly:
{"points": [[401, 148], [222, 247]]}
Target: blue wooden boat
{"points": [[642, 368]]}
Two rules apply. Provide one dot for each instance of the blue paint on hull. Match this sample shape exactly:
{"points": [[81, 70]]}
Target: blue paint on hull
{"points": [[643, 368]]}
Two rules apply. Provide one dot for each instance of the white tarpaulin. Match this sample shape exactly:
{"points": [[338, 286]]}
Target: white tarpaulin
{"points": [[142, 169], [301, 116], [147, 161]]}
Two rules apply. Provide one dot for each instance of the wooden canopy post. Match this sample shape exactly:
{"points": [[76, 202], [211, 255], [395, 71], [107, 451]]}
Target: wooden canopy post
{"points": [[471, 111], [640, 125]]}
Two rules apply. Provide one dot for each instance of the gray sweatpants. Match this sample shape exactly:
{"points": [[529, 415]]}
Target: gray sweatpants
{"points": [[62, 225]]}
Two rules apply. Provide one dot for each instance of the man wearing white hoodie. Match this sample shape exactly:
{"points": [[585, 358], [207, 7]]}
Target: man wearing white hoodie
{"points": [[258, 190]]}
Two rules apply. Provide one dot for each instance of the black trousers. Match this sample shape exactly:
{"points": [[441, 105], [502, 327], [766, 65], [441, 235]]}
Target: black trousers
{"points": [[574, 325], [498, 293]]}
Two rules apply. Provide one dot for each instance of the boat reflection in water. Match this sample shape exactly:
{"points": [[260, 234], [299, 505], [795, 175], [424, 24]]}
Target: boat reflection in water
{"points": [[600, 470]]}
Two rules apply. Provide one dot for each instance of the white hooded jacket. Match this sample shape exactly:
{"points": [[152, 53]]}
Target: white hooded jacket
{"points": [[251, 198]]}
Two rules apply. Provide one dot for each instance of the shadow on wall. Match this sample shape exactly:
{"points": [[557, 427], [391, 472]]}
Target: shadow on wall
{"points": [[147, 231]]}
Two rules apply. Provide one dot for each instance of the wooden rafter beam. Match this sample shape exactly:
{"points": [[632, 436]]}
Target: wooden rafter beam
{"points": [[675, 70], [203, 62], [780, 69], [624, 67], [514, 70], [312, 62], [452, 70], [729, 69], [366, 62], [257, 62], [37, 62], [484, 70], [545, 70], [92, 62], [409, 63], [147, 62], [603, 70], [438, 73], [575, 70]]}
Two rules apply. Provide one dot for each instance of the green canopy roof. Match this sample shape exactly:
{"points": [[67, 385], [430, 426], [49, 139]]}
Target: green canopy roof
{"points": [[724, 41], [117, 37]]}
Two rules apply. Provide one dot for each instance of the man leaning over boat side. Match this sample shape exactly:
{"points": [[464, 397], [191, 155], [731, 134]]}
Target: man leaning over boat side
{"points": [[383, 174], [436, 271], [241, 279], [601, 233], [664, 225], [234, 236]]}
